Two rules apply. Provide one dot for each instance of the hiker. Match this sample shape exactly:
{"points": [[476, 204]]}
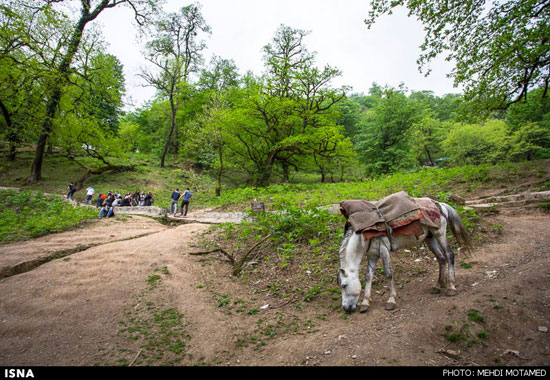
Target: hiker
{"points": [[135, 199], [106, 212], [126, 201], [89, 194], [174, 202], [110, 199], [148, 200], [142, 198], [117, 201], [70, 193], [99, 201], [186, 198]]}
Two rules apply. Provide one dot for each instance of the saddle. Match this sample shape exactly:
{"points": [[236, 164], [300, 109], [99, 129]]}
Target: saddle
{"points": [[394, 215]]}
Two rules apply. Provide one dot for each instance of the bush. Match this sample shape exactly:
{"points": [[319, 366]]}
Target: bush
{"points": [[469, 144], [297, 225]]}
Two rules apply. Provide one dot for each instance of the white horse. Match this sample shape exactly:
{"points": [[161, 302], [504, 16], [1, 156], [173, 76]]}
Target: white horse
{"points": [[354, 246]]}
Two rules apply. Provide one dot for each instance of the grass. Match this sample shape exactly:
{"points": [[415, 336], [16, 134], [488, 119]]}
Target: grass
{"points": [[469, 333], [160, 330], [30, 214], [438, 182]]}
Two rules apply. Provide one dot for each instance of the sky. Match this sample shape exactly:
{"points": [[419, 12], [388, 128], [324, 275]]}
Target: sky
{"points": [[385, 54]]}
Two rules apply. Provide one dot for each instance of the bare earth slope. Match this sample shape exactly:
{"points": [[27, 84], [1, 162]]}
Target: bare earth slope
{"points": [[109, 304]]}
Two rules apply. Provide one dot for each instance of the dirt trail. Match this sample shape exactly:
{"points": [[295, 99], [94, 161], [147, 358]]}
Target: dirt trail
{"points": [[100, 305]]}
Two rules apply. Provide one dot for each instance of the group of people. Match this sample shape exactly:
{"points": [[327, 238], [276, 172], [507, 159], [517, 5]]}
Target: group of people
{"points": [[107, 202], [176, 197]]}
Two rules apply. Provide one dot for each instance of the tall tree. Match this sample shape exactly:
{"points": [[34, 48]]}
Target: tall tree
{"points": [[175, 51], [89, 11], [384, 141], [501, 48], [289, 103]]}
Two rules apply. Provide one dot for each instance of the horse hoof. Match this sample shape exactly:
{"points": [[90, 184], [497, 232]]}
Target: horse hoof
{"points": [[451, 292], [363, 308], [436, 290], [390, 305]]}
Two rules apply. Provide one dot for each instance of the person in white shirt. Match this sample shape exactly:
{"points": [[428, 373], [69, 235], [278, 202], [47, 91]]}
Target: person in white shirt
{"points": [[89, 194]]}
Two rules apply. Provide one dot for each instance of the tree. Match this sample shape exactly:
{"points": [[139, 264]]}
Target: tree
{"points": [[69, 46], [215, 120], [384, 143], [501, 49], [28, 46], [286, 107], [473, 144], [175, 52]]}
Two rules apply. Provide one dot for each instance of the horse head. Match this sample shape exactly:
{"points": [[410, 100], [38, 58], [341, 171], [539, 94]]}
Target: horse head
{"points": [[348, 276]]}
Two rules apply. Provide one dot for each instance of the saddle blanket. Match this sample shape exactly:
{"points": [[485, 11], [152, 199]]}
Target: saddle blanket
{"points": [[362, 214], [404, 214]]}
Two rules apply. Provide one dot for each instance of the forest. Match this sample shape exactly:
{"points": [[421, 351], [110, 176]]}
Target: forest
{"points": [[61, 93], [225, 285]]}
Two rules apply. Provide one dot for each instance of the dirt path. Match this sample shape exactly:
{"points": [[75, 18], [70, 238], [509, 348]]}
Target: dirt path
{"points": [[138, 298]]}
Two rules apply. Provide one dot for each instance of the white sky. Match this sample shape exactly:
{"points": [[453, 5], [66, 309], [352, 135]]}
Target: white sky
{"points": [[385, 54]]}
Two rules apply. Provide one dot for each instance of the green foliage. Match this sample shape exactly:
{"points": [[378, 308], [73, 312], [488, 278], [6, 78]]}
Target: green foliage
{"points": [[29, 214], [293, 224], [418, 183], [477, 144], [500, 49], [384, 140]]}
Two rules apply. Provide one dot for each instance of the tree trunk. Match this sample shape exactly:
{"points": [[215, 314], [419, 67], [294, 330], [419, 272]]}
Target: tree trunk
{"points": [[429, 155], [220, 170], [55, 88], [286, 175], [11, 135], [47, 126], [170, 132], [54, 97]]}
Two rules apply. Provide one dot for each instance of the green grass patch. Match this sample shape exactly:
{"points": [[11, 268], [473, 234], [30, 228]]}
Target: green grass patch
{"points": [[30, 214]]}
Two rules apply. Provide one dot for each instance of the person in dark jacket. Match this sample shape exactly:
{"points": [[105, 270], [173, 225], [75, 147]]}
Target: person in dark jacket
{"points": [[99, 201], [174, 202], [148, 201], [71, 190]]}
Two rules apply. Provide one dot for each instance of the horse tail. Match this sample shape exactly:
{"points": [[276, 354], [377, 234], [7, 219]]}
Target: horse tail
{"points": [[457, 227]]}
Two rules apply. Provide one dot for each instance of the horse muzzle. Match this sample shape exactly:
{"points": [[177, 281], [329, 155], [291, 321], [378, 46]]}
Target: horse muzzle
{"points": [[349, 308]]}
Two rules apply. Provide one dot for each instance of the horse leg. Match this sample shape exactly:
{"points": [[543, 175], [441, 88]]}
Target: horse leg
{"points": [[372, 260], [442, 260], [450, 258], [385, 255], [451, 290]]}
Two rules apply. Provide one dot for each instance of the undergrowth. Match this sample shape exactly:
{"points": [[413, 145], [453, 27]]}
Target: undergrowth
{"points": [[29, 214]]}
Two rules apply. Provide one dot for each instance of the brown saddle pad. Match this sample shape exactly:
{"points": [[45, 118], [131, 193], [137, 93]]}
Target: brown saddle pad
{"points": [[362, 214], [398, 210]]}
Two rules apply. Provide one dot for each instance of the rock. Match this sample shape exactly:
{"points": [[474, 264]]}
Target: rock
{"points": [[511, 352], [450, 353], [543, 329]]}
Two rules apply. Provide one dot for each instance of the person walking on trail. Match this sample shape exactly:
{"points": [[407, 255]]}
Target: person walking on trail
{"points": [[174, 202], [70, 193], [186, 198], [89, 194]]}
